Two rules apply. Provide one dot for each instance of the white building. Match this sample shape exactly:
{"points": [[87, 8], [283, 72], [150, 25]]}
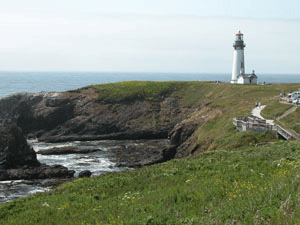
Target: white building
{"points": [[238, 68]]}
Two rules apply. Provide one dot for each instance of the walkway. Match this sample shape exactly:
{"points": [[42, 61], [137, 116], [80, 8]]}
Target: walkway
{"points": [[256, 112], [287, 134]]}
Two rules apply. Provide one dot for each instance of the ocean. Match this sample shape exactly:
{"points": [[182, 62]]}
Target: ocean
{"points": [[13, 82]]}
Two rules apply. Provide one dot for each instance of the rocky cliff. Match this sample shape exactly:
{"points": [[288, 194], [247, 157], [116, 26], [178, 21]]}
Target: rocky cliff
{"points": [[81, 115]]}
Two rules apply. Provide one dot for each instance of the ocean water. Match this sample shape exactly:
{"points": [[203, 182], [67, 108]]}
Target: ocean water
{"points": [[13, 82]]}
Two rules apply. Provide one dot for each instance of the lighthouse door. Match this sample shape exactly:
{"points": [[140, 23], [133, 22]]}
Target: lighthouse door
{"points": [[242, 68]]}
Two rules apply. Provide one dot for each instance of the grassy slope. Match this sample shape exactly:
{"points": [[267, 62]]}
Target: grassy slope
{"points": [[275, 109], [233, 100], [246, 184]]}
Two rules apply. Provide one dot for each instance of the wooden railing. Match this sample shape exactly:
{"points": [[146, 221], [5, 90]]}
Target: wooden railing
{"points": [[261, 126], [285, 133]]}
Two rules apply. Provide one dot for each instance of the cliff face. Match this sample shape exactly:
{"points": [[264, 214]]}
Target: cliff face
{"points": [[35, 112], [81, 113]]}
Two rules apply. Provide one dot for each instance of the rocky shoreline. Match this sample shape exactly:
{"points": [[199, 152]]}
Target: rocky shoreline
{"points": [[80, 116], [40, 172]]}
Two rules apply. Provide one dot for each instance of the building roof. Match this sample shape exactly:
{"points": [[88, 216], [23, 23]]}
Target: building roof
{"points": [[252, 75]]}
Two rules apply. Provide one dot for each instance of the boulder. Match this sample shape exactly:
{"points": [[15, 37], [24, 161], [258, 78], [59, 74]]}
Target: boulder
{"points": [[85, 173]]}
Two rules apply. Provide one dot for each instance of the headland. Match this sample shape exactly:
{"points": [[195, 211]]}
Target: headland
{"points": [[214, 161]]}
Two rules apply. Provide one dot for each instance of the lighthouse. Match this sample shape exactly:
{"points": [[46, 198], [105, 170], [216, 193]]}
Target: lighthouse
{"points": [[238, 67]]}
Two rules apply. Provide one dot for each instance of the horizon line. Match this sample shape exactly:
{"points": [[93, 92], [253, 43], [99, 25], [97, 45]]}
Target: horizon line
{"points": [[156, 72]]}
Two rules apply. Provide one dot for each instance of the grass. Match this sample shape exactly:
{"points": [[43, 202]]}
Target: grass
{"points": [[247, 138], [253, 185], [132, 90], [275, 109]]}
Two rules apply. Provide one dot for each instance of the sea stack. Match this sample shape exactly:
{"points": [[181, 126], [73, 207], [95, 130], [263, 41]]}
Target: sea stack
{"points": [[238, 67]]}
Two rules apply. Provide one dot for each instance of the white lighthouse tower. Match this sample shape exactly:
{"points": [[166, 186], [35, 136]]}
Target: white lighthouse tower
{"points": [[238, 67]]}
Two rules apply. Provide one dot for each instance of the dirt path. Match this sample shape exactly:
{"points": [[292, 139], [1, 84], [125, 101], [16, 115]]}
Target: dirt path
{"points": [[287, 113], [257, 110]]}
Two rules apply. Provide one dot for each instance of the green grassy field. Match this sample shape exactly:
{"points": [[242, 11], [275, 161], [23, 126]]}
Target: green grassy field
{"points": [[231, 182], [254, 185], [132, 90]]}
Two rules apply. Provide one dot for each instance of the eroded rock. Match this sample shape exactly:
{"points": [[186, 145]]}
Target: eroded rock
{"points": [[14, 149]]}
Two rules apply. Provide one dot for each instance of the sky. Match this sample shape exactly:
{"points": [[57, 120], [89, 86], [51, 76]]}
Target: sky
{"points": [[178, 36]]}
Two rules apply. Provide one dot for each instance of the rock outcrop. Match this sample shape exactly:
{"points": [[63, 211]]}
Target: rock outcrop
{"points": [[79, 115], [18, 160], [14, 149], [154, 151], [40, 172]]}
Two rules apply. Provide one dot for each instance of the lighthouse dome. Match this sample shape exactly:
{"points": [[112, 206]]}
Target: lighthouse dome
{"points": [[239, 34]]}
